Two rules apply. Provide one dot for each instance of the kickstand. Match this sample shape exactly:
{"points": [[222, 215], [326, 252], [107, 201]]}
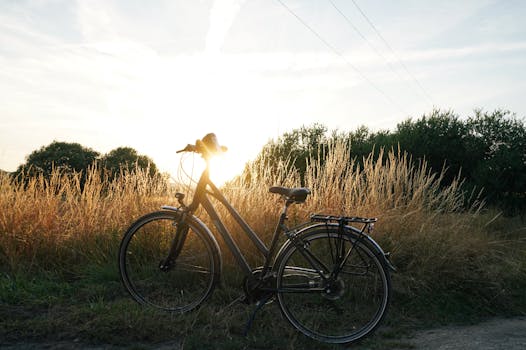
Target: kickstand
{"points": [[240, 299], [259, 305]]}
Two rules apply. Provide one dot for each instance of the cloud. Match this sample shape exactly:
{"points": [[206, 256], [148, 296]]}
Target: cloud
{"points": [[463, 52], [122, 68], [97, 21]]}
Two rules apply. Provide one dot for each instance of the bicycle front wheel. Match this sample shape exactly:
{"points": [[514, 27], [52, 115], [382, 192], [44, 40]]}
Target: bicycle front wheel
{"points": [[329, 307], [191, 276]]}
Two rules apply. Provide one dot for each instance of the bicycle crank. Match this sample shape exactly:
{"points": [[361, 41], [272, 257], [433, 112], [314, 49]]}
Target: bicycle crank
{"points": [[258, 288]]}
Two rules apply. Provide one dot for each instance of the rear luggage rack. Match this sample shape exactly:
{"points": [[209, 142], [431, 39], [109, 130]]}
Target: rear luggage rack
{"points": [[342, 219]]}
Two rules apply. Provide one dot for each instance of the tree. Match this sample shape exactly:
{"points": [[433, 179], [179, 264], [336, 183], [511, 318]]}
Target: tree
{"points": [[442, 139], [487, 150], [127, 158], [363, 141], [64, 156], [295, 146], [500, 138]]}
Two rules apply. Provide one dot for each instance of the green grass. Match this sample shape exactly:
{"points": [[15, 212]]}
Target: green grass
{"points": [[92, 307], [94, 310]]}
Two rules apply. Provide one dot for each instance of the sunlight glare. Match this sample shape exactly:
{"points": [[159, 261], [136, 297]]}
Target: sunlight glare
{"points": [[180, 99], [223, 168]]}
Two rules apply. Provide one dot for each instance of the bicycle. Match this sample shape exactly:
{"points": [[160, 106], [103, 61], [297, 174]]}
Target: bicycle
{"points": [[330, 278]]}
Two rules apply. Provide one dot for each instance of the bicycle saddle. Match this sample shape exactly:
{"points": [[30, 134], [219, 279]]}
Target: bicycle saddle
{"points": [[298, 194]]}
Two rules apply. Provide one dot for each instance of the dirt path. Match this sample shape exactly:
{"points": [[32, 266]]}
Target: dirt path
{"points": [[497, 334], [509, 334]]}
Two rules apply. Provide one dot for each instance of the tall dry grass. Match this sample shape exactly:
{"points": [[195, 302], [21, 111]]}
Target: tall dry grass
{"points": [[69, 219], [389, 186], [436, 242]]}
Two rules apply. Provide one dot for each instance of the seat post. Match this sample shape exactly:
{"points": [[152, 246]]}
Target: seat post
{"points": [[279, 228], [283, 217]]}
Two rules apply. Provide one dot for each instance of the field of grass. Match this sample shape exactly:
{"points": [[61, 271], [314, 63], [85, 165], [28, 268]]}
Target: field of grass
{"points": [[59, 240]]}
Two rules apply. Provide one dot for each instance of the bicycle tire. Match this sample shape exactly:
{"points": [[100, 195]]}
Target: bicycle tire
{"points": [[193, 276], [347, 309]]}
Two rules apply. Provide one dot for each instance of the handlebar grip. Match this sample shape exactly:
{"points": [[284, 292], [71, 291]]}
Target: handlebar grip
{"points": [[188, 148]]}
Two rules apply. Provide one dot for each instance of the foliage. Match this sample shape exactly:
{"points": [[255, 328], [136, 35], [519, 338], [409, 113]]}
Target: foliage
{"points": [[500, 142], [440, 138], [127, 159], [62, 156], [297, 146], [487, 150], [71, 158]]}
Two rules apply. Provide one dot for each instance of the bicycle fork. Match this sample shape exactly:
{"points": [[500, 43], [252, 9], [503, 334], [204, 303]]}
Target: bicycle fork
{"points": [[177, 244]]}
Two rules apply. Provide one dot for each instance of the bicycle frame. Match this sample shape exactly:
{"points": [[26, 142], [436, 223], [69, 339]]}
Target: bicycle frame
{"points": [[201, 198]]}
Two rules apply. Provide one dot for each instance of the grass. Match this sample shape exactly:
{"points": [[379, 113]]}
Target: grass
{"points": [[59, 241]]}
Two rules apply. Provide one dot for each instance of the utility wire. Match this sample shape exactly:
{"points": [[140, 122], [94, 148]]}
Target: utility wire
{"points": [[342, 56], [371, 46], [393, 52]]}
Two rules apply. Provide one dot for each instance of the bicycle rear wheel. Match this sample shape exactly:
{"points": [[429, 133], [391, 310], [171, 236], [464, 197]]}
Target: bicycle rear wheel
{"points": [[192, 276], [338, 309]]}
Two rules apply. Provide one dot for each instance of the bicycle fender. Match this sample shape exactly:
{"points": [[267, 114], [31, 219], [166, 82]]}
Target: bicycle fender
{"points": [[201, 225], [375, 246], [384, 257]]}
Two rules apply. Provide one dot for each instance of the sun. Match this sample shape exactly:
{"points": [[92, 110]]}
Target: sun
{"points": [[223, 167], [189, 96]]}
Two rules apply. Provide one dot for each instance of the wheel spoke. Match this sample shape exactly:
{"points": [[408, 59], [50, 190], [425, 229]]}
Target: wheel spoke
{"points": [[193, 268]]}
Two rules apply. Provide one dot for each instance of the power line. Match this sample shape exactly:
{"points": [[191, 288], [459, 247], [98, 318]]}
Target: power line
{"points": [[393, 52], [371, 46], [338, 53]]}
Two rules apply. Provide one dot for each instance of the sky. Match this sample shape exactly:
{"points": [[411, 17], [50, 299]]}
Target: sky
{"points": [[156, 75]]}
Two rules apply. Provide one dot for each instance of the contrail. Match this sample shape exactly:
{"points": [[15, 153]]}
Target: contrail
{"points": [[222, 15]]}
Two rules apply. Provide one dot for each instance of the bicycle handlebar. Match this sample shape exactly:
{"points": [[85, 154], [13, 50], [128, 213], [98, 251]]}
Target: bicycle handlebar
{"points": [[188, 148], [207, 146]]}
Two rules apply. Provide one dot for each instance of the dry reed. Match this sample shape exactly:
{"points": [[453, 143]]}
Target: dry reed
{"points": [[57, 222], [53, 222], [435, 239]]}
